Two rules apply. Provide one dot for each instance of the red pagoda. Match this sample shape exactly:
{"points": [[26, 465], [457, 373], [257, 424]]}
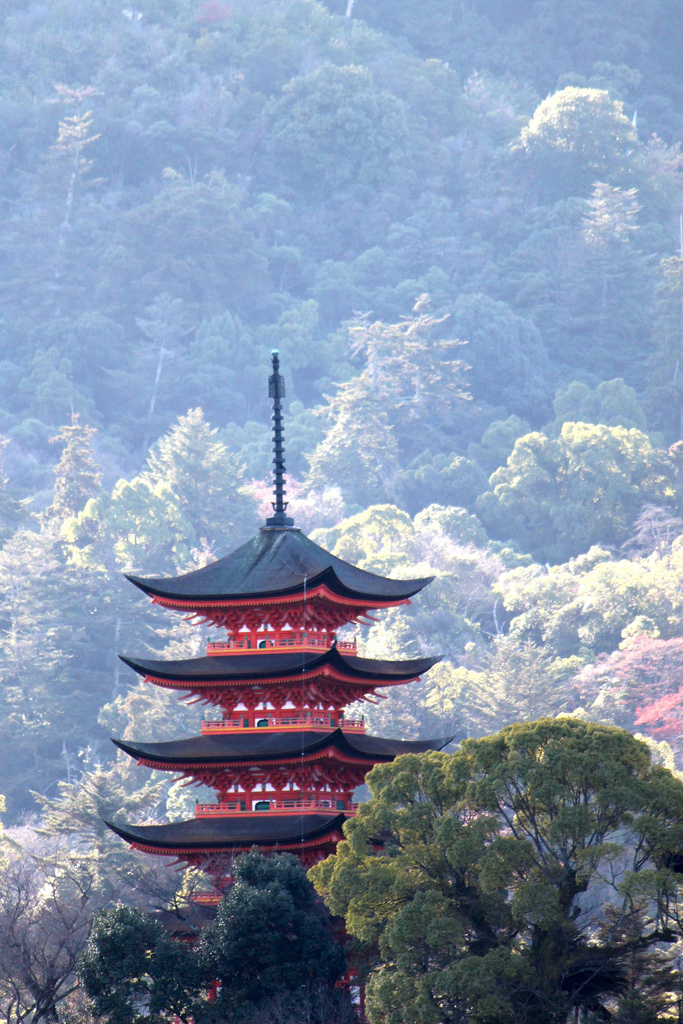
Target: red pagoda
{"points": [[283, 758]]}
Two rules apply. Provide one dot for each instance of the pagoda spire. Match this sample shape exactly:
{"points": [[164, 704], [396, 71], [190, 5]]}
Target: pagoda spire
{"points": [[283, 758], [276, 391]]}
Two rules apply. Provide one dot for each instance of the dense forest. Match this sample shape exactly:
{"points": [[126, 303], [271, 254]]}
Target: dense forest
{"points": [[461, 224]]}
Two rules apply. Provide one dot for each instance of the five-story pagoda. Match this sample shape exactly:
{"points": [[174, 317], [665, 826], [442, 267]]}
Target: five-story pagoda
{"points": [[283, 759]]}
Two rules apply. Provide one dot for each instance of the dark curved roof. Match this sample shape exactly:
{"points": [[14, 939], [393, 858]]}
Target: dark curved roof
{"points": [[265, 746], [278, 562], [271, 664], [237, 830]]}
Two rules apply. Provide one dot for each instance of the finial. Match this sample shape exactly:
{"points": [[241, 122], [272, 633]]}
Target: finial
{"points": [[276, 391]]}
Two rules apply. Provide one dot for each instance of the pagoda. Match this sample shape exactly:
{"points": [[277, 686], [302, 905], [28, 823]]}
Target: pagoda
{"points": [[283, 758]]}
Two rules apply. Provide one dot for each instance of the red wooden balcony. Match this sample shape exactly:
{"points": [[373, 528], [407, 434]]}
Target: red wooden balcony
{"points": [[273, 806], [263, 720], [291, 639]]}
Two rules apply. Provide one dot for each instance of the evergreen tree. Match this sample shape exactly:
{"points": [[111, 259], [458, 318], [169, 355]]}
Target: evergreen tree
{"points": [[476, 907], [13, 511], [335, 129], [134, 972], [558, 497], [78, 477], [205, 478], [515, 682], [507, 361], [613, 403], [578, 136], [271, 948], [409, 392], [359, 452], [665, 388], [271, 936]]}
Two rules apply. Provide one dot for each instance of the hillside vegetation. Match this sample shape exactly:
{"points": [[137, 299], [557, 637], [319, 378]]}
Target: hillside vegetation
{"points": [[459, 223]]}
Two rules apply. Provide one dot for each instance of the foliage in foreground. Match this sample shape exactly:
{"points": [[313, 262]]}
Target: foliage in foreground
{"points": [[47, 902], [132, 970], [532, 876], [271, 950]]}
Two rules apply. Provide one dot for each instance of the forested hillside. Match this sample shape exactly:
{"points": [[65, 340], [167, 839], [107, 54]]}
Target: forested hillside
{"points": [[460, 224]]}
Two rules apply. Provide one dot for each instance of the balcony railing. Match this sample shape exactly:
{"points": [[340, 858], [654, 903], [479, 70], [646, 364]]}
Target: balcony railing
{"points": [[270, 806], [295, 639], [297, 722], [216, 810]]}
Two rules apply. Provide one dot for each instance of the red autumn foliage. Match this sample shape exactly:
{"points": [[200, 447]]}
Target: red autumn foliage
{"points": [[642, 686], [663, 718], [213, 11]]}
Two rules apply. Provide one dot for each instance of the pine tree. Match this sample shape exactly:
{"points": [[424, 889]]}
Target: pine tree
{"points": [[402, 404], [13, 512], [665, 389], [78, 477], [205, 478]]}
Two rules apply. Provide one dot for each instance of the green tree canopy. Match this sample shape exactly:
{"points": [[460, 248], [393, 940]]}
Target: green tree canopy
{"points": [[508, 362], [205, 477], [497, 442], [513, 682], [359, 452], [578, 136], [335, 129], [557, 497], [489, 896], [589, 604], [665, 385], [271, 936], [78, 475], [412, 386], [613, 403], [133, 972], [271, 948]]}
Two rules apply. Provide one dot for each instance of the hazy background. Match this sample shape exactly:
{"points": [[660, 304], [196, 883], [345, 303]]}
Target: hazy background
{"points": [[186, 185]]}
